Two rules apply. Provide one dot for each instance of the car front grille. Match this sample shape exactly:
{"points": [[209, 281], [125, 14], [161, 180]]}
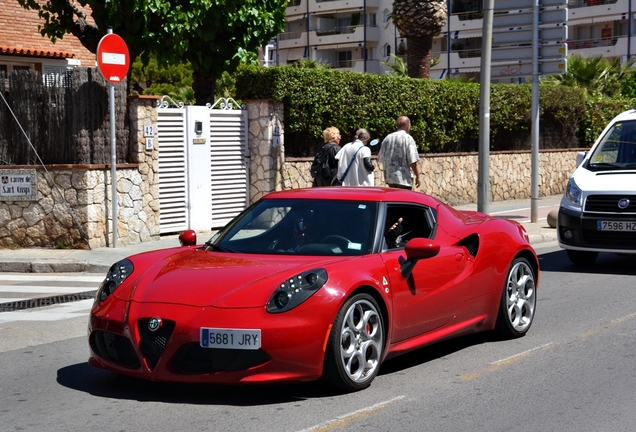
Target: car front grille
{"points": [[115, 348], [619, 240], [193, 359], [153, 343], [609, 204]]}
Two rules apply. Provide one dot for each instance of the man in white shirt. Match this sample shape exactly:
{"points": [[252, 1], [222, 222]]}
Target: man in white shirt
{"points": [[354, 161], [398, 156]]}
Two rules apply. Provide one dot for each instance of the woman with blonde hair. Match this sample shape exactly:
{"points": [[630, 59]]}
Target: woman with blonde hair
{"points": [[325, 166]]}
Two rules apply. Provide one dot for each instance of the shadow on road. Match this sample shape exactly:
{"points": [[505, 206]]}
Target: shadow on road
{"points": [[102, 383], [606, 263]]}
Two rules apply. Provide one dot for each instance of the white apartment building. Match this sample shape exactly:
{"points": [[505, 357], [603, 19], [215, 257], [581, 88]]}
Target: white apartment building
{"points": [[334, 31], [354, 35]]}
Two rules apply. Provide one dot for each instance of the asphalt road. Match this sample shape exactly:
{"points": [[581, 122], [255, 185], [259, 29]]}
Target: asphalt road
{"points": [[574, 371]]}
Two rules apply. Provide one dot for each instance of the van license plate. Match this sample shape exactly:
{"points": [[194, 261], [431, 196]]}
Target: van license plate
{"points": [[625, 226], [230, 338]]}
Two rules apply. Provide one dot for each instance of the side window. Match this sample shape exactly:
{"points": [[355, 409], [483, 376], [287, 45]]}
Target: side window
{"points": [[416, 222]]}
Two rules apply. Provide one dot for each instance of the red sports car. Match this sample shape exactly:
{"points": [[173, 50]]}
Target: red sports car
{"points": [[321, 282]]}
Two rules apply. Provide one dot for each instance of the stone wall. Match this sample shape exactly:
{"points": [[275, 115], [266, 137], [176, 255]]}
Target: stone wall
{"points": [[266, 145], [453, 177], [74, 207]]}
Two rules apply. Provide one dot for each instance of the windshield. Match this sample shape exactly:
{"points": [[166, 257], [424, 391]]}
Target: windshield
{"points": [[617, 148], [301, 227]]}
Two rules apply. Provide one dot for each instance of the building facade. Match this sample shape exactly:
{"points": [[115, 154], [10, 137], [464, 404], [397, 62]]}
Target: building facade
{"points": [[353, 35], [23, 47], [595, 28], [337, 33]]}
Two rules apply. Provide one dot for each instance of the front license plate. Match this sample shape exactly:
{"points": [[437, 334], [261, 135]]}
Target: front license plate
{"points": [[625, 226], [230, 338]]}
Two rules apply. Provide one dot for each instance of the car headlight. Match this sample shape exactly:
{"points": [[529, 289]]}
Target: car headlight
{"points": [[114, 278], [573, 193], [296, 290]]}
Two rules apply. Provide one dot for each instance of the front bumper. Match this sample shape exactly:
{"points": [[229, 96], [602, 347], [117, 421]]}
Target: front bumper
{"points": [[578, 231], [292, 344]]}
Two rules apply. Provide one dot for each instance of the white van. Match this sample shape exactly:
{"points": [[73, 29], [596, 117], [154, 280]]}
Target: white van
{"points": [[598, 208]]}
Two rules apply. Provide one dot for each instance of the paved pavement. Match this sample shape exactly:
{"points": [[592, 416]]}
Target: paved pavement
{"points": [[46, 260]]}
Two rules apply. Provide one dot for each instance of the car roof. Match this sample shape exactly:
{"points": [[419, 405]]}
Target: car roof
{"points": [[344, 193], [626, 115]]}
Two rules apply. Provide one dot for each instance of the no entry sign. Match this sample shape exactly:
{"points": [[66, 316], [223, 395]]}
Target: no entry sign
{"points": [[113, 58]]}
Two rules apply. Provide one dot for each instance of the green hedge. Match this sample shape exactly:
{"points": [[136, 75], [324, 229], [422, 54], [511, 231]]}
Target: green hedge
{"points": [[444, 114]]}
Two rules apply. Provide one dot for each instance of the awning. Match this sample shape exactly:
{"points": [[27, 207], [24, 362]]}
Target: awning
{"points": [[293, 54], [339, 46]]}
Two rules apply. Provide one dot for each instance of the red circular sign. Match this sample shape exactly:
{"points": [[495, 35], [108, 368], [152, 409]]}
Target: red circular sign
{"points": [[113, 58]]}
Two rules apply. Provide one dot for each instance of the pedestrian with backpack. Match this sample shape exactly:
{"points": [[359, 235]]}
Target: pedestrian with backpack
{"points": [[325, 166], [354, 161]]}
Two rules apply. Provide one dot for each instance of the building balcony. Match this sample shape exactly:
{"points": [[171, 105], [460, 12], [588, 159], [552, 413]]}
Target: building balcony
{"points": [[606, 47], [595, 11], [341, 5], [292, 40], [357, 65], [343, 35], [461, 23], [296, 7]]}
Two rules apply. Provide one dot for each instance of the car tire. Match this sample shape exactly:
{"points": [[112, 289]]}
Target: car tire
{"points": [[355, 345], [581, 257], [518, 300]]}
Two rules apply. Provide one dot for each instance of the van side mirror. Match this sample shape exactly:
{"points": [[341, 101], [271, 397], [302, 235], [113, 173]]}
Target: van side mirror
{"points": [[579, 158]]}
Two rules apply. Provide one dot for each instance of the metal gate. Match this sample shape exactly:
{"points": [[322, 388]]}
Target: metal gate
{"points": [[229, 167], [203, 165], [173, 172]]}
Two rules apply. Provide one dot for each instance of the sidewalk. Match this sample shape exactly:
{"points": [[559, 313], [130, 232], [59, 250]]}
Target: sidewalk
{"points": [[45, 260]]}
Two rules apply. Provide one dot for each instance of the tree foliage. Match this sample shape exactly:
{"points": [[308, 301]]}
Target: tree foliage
{"points": [[155, 79], [444, 113], [597, 76], [212, 35]]}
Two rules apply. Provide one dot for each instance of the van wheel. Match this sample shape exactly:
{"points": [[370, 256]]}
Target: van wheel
{"points": [[581, 257]]}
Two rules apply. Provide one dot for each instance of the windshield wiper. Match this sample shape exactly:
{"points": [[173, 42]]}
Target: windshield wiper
{"points": [[217, 248], [604, 165]]}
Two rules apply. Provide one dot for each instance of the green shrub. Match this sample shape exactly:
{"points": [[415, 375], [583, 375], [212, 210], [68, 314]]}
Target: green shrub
{"points": [[444, 113]]}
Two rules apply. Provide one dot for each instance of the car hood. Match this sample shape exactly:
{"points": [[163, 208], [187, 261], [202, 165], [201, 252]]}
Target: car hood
{"points": [[197, 277], [608, 182]]}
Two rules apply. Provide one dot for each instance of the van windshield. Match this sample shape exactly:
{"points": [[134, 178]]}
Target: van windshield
{"points": [[617, 148]]}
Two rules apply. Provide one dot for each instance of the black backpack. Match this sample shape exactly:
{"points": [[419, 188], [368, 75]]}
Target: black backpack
{"points": [[320, 166]]}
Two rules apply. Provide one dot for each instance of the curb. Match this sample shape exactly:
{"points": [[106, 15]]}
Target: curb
{"points": [[83, 266], [51, 266]]}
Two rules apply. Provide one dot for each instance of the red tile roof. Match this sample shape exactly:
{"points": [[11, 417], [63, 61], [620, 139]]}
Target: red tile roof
{"points": [[20, 36]]}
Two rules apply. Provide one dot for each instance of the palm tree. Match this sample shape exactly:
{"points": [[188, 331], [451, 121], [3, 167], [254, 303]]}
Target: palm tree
{"points": [[398, 67], [419, 21], [596, 75]]}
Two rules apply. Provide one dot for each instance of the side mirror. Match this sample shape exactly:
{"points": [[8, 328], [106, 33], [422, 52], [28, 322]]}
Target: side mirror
{"points": [[188, 238], [417, 249], [579, 158]]}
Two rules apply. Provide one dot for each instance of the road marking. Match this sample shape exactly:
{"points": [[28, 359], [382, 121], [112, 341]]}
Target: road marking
{"points": [[46, 296], [516, 357], [48, 277], [505, 362], [343, 420], [39, 289], [50, 313]]}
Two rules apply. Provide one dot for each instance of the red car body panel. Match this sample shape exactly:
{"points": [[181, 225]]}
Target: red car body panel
{"points": [[450, 294]]}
